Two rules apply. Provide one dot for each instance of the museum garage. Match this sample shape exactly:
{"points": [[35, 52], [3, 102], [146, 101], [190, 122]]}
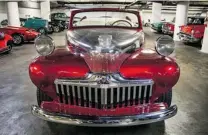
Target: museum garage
{"points": [[103, 67]]}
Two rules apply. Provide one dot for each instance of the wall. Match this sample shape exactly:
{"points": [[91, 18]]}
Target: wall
{"points": [[167, 15], [23, 12]]}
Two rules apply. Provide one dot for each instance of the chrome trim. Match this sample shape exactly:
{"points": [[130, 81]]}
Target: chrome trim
{"points": [[107, 86], [116, 121]]}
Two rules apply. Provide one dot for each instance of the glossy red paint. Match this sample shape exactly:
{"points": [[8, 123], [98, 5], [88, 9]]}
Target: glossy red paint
{"points": [[194, 30], [142, 64], [170, 26], [61, 64], [147, 64], [27, 34], [4, 42]]}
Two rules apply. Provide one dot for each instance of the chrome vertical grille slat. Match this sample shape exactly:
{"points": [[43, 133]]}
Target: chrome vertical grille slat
{"points": [[105, 97]]}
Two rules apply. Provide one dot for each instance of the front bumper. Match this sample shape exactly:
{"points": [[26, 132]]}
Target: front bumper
{"points": [[187, 38], [114, 121]]}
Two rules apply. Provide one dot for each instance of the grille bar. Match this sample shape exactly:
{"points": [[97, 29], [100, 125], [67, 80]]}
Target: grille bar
{"points": [[104, 98]]}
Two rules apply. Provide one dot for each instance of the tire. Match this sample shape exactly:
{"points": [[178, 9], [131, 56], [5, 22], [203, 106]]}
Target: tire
{"points": [[17, 39], [42, 31], [9, 44], [166, 98], [41, 96], [56, 29]]}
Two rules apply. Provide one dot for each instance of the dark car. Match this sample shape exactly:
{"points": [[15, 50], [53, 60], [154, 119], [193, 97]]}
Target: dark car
{"points": [[57, 26]]}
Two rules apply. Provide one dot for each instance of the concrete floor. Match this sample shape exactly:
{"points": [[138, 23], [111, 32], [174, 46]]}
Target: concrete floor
{"points": [[17, 94]]}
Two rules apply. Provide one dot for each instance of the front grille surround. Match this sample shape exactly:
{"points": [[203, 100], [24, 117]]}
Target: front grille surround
{"points": [[91, 93]]}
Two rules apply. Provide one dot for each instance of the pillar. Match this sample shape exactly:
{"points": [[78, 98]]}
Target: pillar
{"points": [[205, 41], [181, 17], [45, 9], [13, 13], [156, 12]]}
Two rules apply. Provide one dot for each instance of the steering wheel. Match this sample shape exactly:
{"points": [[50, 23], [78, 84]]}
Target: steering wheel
{"points": [[122, 22]]}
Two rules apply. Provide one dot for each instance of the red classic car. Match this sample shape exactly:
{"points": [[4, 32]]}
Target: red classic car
{"points": [[20, 34], [193, 32], [168, 27], [5, 43], [103, 77]]}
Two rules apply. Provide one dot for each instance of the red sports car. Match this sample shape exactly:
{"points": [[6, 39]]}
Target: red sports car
{"points": [[103, 77], [20, 34], [5, 43]]}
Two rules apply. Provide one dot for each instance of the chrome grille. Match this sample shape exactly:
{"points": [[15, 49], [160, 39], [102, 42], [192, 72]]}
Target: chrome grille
{"points": [[103, 96]]}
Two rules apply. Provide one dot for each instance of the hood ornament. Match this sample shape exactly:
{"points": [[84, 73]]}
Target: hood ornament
{"points": [[103, 80]]}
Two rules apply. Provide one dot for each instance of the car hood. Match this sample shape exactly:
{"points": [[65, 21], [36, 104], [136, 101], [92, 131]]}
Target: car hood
{"points": [[120, 37]]}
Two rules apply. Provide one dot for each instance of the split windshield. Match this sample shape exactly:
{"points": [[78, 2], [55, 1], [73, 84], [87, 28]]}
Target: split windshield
{"points": [[106, 18]]}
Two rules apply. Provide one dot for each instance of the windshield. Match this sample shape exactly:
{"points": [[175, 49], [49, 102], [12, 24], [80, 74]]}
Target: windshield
{"points": [[106, 18]]}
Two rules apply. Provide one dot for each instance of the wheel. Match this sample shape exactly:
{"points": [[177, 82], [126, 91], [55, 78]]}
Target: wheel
{"points": [[17, 39], [9, 45], [166, 98], [41, 96], [42, 31], [56, 29], [50, 30], [146, 25]]}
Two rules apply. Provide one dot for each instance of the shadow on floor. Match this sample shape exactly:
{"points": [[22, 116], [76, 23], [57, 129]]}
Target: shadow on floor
{"points": [[155, 128]]}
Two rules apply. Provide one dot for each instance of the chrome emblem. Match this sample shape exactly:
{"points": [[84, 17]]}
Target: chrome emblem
{"points": [[103, 80]]}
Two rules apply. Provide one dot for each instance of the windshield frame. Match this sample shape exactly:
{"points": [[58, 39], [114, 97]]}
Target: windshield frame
{"points": [[73, 13]]}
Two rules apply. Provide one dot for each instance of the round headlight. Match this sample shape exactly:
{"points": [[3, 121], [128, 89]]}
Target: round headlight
{"points": [[165, 45], [44, 45]]}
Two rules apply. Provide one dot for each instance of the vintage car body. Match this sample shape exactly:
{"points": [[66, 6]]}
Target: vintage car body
{"points": [[5, 43], [157, 26], [20, 34], [38, 24], [193, 32], [103, 88], [168, 28]]}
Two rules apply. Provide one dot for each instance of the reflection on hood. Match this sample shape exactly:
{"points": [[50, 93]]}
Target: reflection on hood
{"points": [[121, 38]]}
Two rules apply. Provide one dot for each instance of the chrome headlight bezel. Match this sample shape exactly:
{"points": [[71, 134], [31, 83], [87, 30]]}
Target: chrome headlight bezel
{"points": [[47, 43], [165, 45]]}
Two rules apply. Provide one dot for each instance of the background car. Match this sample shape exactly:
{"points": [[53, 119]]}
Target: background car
{"points": [[168, 27], [22, 22], [193, 32], [6, 43], [20, 34], [38, 24], [157, 26], [57, 26]]}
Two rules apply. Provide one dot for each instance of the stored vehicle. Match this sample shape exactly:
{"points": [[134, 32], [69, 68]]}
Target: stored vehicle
{"points": [[5, 22], [193, 32], [169, 27], [5, 43], [20, 34], [62, 18], [157, 26], [38, 24], [57, 26], [103, 76]]}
